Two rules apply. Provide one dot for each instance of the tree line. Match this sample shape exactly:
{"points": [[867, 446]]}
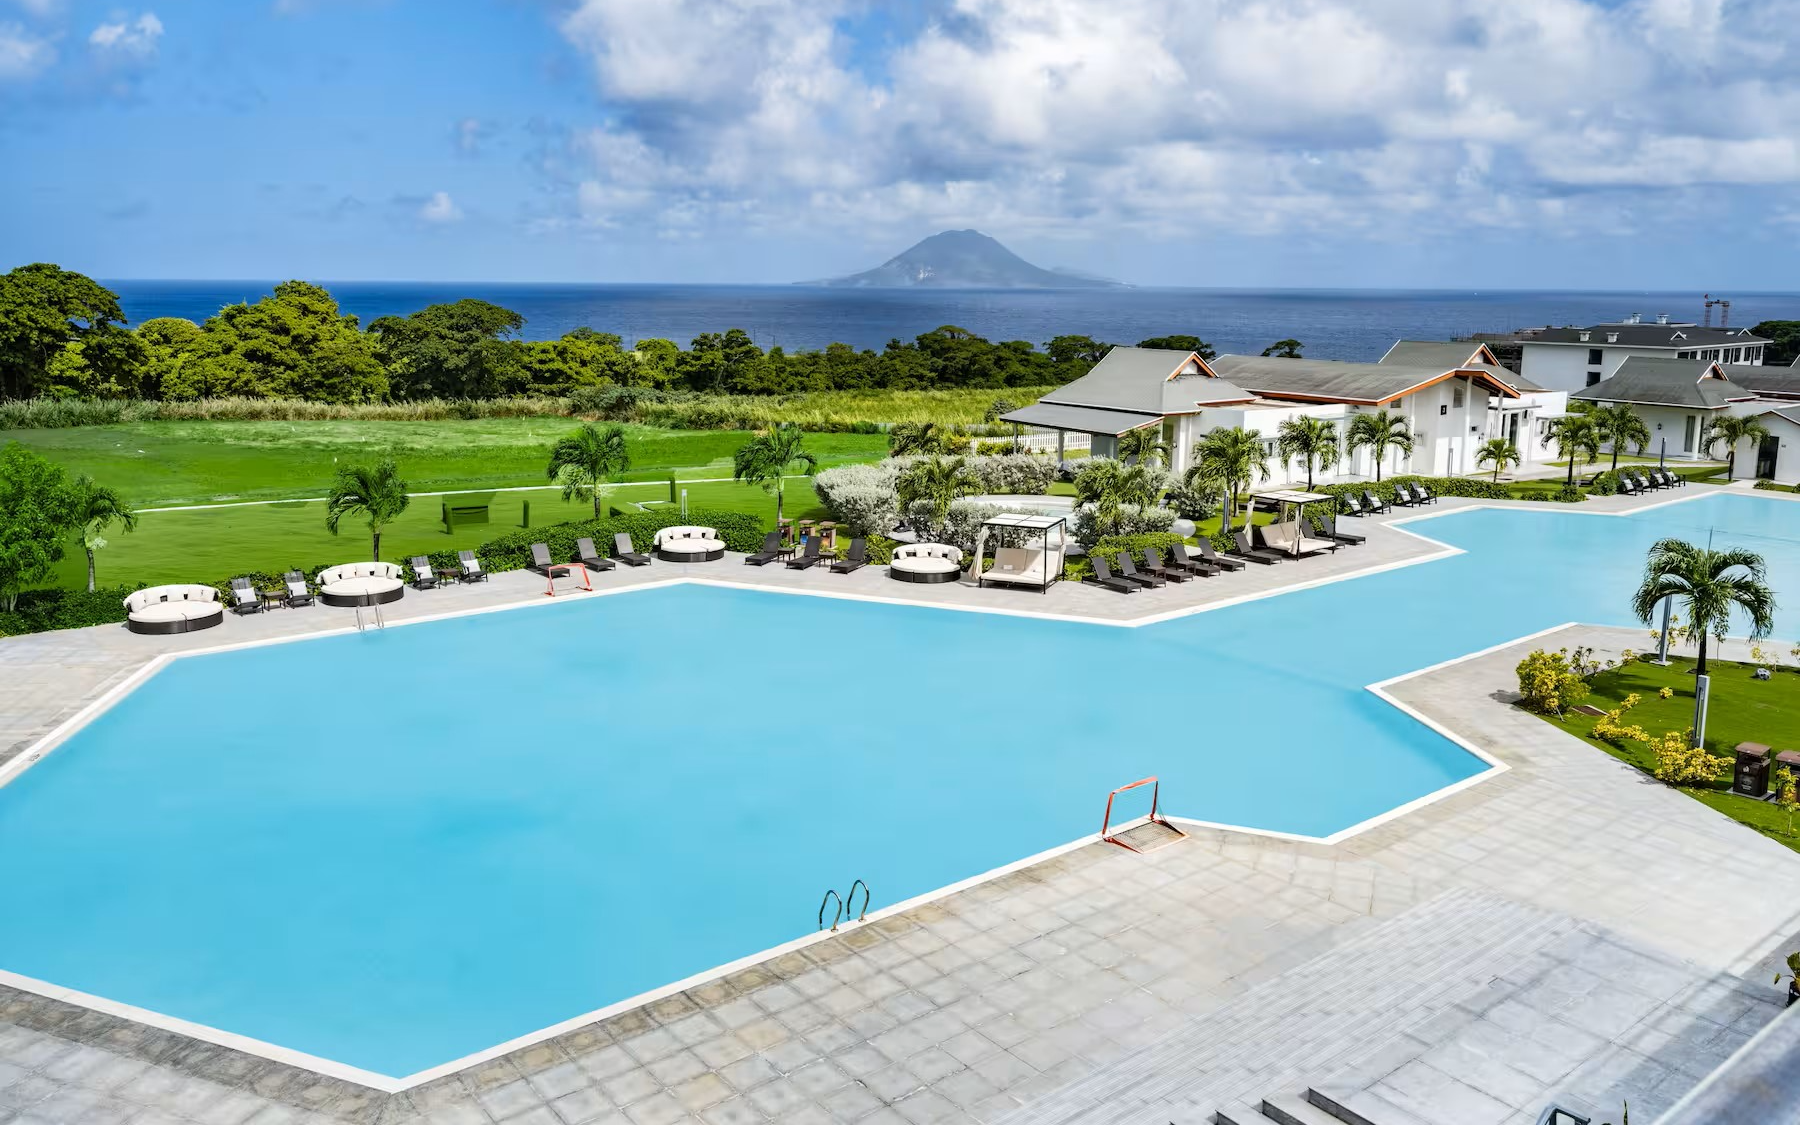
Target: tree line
{"points": [[63, 334]]}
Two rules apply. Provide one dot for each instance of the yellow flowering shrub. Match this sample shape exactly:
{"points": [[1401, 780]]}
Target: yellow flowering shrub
{"points": [[1681, 764], [1548, 684], [1666, 693], [1612, 728]]}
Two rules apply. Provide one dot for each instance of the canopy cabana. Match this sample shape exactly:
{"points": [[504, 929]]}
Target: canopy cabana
{"points": [[1292, 533], [1029, 549]]}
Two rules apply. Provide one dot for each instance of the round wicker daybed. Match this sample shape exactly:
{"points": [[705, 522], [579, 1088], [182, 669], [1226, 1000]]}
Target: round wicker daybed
{"points": [[926, 562], [353, 585], [161, 610], [689, 545]]}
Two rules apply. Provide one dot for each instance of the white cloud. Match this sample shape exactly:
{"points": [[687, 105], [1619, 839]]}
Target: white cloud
{"points": [[440, 208], [135, 38], [1179, 116], [22, 54]]}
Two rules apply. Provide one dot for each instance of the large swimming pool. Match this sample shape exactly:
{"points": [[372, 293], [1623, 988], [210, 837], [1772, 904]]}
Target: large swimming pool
{"points": [[394, 849]]}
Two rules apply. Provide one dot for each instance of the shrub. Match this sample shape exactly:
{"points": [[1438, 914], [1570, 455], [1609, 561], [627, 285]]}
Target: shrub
{"points": [[39, 611], [1679, 763], [865, 498], [1772, 486], [1132, 520], [512, 551], [1112, 545], [1439, 486], [1548, 684], [1612, 728], [1605, 484], [1191, 504]]}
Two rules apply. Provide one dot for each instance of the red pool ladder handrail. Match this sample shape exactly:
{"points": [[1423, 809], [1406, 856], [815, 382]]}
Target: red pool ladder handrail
{"points": [[1155, 798]]}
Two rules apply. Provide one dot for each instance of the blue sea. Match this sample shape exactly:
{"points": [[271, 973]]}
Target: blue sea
{"points": [[1353, 324]]}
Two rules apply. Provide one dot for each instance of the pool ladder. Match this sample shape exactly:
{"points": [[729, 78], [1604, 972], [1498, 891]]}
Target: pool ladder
{"points": [[379, 623], [844, 905]]}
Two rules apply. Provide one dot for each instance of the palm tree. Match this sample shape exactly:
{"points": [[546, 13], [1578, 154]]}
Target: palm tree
{"points": [[585, 460], [1572, 434], [377, 493], [95, 508], [770, 458], [938, 481], [1380, 431], [1143, 445], [1314, 440], [1618, 425], [1225, 459], [1732, 429], [1499, 453], [914, 437], [1710, 584]]}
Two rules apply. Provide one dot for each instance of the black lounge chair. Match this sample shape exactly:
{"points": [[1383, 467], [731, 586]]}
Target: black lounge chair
{"points": [[1129, 572], [810, 556], [1179, 557], [587, 556], [244, 598], [423, 578], [1254, 554], [1155, 564], [1628, 485], [540, 559], [1351, 505], [1327, 525], [1373, 503], [626, 553], [855, 560], [1423, 495], [771, 550], [1103, 576], [297, 593], [1212, 556], [472, 568], [1403, 496]]}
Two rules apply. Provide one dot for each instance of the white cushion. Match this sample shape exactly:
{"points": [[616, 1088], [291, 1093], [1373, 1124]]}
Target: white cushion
{"points": [[925, 564], [333, 574], [355, 586], [156, 595], [701, 534], [922, 551]]}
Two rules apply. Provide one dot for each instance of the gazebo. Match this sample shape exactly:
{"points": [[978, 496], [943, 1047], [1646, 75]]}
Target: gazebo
{"points": [[1029, 550], [1291, 533]]}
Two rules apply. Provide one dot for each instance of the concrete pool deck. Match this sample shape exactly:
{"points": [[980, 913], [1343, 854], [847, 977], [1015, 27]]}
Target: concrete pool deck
{"points": [[1015, 993]]}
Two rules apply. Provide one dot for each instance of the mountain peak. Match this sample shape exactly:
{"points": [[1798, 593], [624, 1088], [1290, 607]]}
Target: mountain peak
{"points": [[963, 259]]}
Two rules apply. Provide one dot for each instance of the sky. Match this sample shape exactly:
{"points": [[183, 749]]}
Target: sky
{"points": [[1247, 143]]}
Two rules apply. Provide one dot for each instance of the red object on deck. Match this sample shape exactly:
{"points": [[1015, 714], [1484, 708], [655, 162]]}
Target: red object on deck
{"points": [[551, 571], [1155, 797]]}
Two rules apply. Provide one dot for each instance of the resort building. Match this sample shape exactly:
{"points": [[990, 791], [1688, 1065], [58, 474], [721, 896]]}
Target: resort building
{"points": [[1777, 458], [1453, 397], [1676, 398], [1572, 358]]}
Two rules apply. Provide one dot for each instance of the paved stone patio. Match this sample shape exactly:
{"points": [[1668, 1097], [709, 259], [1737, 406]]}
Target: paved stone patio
{"points": [[984, 1003]]}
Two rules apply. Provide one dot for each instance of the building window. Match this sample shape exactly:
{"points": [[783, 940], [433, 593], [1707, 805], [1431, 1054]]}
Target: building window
{"points": [[1736, 355], [1456, 396], [1593, 357], [1687, 437], [1593, 377]]}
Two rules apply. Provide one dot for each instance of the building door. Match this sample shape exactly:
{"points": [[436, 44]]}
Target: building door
{"points": [[1687, 437], [1766, 454]]}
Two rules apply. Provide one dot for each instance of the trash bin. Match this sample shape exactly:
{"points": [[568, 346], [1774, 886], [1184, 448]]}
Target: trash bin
{"points": [[1751, 778]]}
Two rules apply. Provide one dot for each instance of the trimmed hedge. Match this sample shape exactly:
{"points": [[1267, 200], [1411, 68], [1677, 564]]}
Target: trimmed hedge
{"points": [[40, 611], [512, 551], [1772, 486], [1439, 486]]}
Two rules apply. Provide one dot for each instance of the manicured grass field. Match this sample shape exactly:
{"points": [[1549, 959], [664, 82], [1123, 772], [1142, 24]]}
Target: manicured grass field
{"points": [[166, 463], [1741, 709]]}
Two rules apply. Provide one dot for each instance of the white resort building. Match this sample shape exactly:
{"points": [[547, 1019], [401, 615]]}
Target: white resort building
{"points": [[1569, 359]]}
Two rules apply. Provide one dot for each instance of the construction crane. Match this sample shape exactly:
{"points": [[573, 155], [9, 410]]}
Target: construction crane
{"points": [[1724, 310]]}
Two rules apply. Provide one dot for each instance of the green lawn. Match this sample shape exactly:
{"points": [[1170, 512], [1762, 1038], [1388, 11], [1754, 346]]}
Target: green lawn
{"points": [[1741, 709], [166, 463]]}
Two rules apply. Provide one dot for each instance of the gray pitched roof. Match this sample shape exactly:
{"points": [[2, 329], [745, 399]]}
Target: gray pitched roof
{"points": [[1081, 419], [1665, 382], [1678, 336], [1792, 416], [1329, 379], [1782, 382], [1144, 380], [1445, 354]]}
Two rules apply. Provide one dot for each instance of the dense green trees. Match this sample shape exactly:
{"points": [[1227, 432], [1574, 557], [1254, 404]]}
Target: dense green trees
{"points": [[1784, 341], [44, 310], [37, 511]]}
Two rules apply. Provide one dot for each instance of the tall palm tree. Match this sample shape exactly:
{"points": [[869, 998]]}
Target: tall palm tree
{"points": [[360, 490], [938, 481], [1313, 440], [1499, 453], [772, 456], [1732, 429], [95, 507], [1572, 434], [1619, 425], [585, 460], [1143, 445], [914, 437], [1710, 584], [1225, 459], [1380, 431]]}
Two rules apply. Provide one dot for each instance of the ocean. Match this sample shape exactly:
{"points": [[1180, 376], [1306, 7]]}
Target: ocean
{"points": [[1348, 324]]}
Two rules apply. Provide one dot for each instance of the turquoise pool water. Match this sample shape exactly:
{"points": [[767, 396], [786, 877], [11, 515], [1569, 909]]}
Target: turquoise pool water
{"points": [[394, 849]]}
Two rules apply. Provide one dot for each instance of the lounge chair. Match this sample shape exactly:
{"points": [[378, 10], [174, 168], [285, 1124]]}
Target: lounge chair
{"points": [[855, 559], [472, 568], [423, 578], [1403, 496], [587, 556], [297, 593], [244, 598], [1373, 503], [1212, 556], [1327, 525], [540, 559], [1129, 572], [1179, 557], [1351, 505], [810, 556], [1290, 541], [1254, 554], [771, 550], [1154, 564], [626, 553], [1627, 485], [1423, 495], [1103, 576]]}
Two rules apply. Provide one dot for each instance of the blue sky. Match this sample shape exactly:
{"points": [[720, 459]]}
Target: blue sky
{"points": [[1453, 143]]}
